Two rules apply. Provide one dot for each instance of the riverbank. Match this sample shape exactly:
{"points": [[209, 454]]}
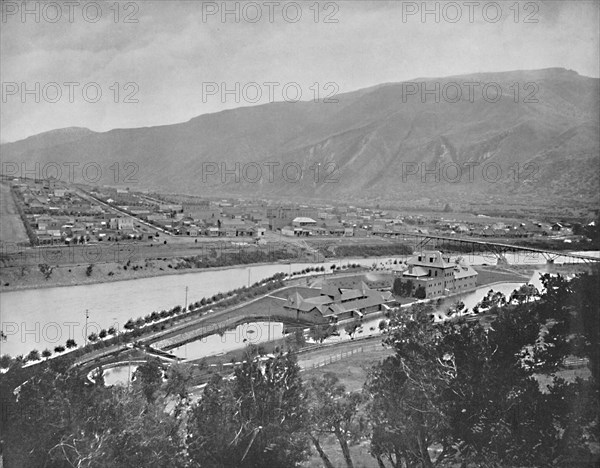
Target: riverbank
{"points": [[30, 276], [76, 275]]}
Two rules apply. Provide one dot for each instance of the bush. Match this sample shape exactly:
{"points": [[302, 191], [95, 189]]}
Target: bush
{"points": [[420, 292], [34, 355]]}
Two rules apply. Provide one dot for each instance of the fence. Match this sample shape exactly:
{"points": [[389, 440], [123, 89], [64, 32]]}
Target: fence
{"points": [[573, 362], [340, 356]]}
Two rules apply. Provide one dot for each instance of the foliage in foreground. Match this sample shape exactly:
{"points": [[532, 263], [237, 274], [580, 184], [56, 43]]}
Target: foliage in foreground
{"points": [[457, 393]]}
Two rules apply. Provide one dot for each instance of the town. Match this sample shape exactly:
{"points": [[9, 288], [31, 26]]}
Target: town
{"points": [[56, 213]]}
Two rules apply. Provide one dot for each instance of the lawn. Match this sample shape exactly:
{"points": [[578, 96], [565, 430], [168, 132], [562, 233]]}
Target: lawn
{"points": [[352, 371]]}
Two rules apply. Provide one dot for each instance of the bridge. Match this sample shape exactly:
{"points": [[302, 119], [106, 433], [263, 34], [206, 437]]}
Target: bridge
{"points": [[421, 241]]}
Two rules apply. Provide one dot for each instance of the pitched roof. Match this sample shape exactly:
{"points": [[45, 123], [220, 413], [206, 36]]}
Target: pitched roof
{"points": [[303, 219], [416, 271]]}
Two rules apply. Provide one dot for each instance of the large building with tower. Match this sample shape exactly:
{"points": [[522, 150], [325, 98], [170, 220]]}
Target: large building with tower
{"points": [[438, 275]]}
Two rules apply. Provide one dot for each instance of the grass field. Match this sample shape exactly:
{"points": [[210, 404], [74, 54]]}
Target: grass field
{"points": [[11, 227], [352, 371]]}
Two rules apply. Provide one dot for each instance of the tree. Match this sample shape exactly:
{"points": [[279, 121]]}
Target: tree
{"points": [[71, 343], [403, 288], [334, 411], [581, 318], [472, 390], [254, 420], [351, 327], [420, 292], [149, 376], [296, 339], [404, 412], [492, 299], [320, 332], [524, 294], [178, 379], [34, 355], [46, 270], [60, 420], [5, 361]]}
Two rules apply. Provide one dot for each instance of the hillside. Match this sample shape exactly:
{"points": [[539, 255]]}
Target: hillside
{"points": [[372, 141]]}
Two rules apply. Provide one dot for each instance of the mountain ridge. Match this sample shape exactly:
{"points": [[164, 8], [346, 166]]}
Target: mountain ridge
{"points": [[370, 137]]}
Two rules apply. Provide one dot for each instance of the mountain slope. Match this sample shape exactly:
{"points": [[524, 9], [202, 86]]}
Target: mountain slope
{"points": [[372, 144]]}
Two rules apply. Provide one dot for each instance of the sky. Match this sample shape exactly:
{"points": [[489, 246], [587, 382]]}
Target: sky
{"points": [[105, 65]]}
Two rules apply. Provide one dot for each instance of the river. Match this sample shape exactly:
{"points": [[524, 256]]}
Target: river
{"points": [[45, 318]]}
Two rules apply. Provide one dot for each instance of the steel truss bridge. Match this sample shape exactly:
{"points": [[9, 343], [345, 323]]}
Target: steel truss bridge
{"points": [[496, 250]]}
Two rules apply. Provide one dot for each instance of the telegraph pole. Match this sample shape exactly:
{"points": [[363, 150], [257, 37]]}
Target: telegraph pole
{"points": [[87, 315], [129, 371], [185, 304]]}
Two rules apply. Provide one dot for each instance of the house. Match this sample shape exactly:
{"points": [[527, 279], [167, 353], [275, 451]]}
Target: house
{"points": [[334, 303], [204, 213], [43, 221], [282, 216], [335, 229], [121, 224], [318, 231], [170, 207], [259, 231], [234, 228], [437, 275], [287, 231], [125, 224], [302, 221], [192, 231], [157, 217]]}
